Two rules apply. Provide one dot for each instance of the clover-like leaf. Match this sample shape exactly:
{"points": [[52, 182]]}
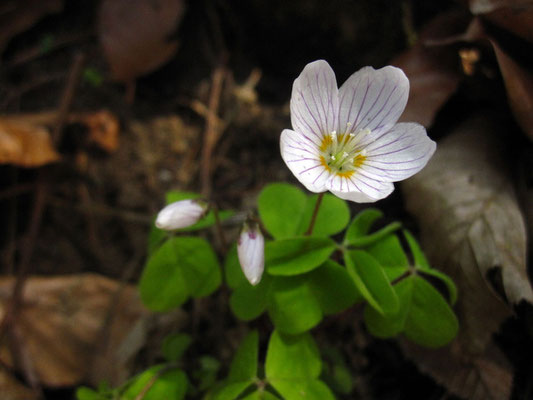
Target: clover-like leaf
{"points": [[281, 207], [171, 384], [371, 281], [181, 267], [297, 255]]}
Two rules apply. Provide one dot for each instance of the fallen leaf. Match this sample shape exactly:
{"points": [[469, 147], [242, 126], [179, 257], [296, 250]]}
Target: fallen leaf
{"points": [[24, 144], [519, 86], [19, 15], [482, 377], [472, 227], [515, 16], [65, 322], [433, 68], [136, 35], [11, 389], [103, 129]]}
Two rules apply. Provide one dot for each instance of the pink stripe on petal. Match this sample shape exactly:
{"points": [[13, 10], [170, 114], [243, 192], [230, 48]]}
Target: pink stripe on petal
{"points": [[372, 99], [315, 100], [402, 151]]}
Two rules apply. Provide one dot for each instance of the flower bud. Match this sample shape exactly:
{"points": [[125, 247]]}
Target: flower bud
{"points": [[181, 214], [251, 252]]}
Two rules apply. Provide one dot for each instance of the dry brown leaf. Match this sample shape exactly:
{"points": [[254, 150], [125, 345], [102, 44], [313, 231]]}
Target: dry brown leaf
{"points": [[103, 128], [11, 389], [17, 16], [65, 322], [519, 86], [433, 70], [136, 35], [472, 227], [483, 377], [24, 144], [514, 15]]}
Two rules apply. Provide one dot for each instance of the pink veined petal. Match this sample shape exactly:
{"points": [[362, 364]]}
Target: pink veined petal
{"points": [[372, 99], [250, 251], [315, 101], [399, 153], [303, 159], [359, 185]]}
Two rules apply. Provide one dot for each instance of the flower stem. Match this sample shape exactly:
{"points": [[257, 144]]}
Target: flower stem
{"points": [[315, 213], [219, 230]]}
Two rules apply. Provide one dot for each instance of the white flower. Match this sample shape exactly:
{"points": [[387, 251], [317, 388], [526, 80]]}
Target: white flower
{"points": [[181, 214], [251, 252], [347, 140]]}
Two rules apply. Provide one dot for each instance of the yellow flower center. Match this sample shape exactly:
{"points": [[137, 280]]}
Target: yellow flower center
{"points": [[341, 153]]}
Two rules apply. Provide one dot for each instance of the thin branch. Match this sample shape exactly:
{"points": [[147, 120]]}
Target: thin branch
{"points": [[212, 132]]}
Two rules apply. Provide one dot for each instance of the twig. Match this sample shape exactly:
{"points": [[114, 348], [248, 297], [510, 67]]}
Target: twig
{"points": [[68, 95], [212, 130], [39, 204], [103, 211], [17, 190], [219, 230], [315, 213]]}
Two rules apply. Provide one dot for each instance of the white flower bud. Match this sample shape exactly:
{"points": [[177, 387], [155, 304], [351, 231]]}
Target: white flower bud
{"points": [[181, 214], [251, 252]]}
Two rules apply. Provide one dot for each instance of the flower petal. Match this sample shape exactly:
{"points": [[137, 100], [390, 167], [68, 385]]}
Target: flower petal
{"points": [[359, 188], [315, 101], [399, 153], [251, 253], [303, 159], [372, 99]]}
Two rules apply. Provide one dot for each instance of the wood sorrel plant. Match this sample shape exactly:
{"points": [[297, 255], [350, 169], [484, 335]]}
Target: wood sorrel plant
{"points": [[311, 260]]}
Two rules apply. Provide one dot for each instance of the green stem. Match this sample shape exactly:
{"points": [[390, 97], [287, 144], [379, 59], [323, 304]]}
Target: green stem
{"points": [[406, 274], [315, 213]]}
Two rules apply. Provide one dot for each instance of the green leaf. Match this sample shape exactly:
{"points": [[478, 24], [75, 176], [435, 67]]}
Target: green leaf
{"points": [[232, 268], [362, 223], [244, 364], [292, 357], [450, 285], [281, 207], [422, 263], [297, 255], [231, 391], [181, 267], [389, 252], [304, 390], [293, 306], [175, 345], [171, 385], [430, 322], [357, 233], [333, 287], [391, 325], [261, 395], [333, 215], [371, 281], [418, 255], [84, 393], [248, 302]]}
